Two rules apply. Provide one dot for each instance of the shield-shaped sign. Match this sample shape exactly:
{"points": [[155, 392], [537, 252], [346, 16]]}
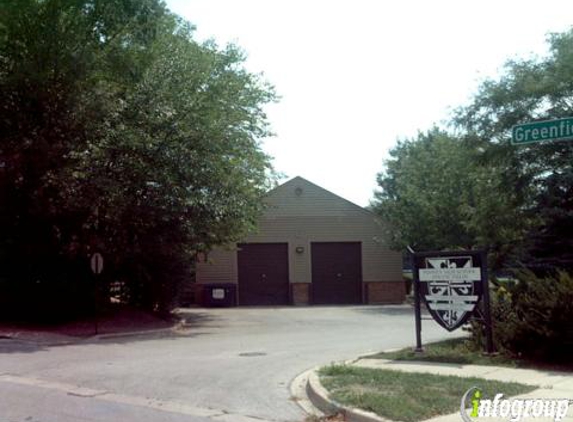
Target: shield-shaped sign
{"points": [[451, 287]]}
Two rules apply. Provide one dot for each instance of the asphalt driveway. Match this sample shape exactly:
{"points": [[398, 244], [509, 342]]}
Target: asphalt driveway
{"points": [[232, 364]]}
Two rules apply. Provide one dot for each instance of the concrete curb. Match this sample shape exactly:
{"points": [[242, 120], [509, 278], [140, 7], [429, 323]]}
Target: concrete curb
{"points": [[71, 340], [313, 398], [299, 394], [26, 338], [318, 395], [167, 330], [548, 383]]}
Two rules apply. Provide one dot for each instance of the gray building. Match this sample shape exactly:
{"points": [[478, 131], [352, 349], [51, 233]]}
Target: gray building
{"points": [[311, 247]]}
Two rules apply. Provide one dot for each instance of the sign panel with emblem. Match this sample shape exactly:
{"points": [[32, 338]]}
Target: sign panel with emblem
{"points": [[452, 285]]}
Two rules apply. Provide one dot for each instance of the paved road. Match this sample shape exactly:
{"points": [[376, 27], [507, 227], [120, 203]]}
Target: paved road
{"points": [[230, 365]]}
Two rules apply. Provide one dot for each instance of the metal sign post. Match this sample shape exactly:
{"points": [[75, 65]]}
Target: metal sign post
{"points": [[487, 309], [417, 310], [452, 284], [96, 265]]}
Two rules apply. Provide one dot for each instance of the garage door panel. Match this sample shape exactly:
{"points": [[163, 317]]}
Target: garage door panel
{"points": [[336, 272], [263, 274]]}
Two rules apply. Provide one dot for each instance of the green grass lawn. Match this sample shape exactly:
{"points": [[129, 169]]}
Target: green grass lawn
{"points": [[459, 351], [448, 351], [402, 396]]}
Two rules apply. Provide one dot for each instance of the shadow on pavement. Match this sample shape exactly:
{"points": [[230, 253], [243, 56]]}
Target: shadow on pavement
{"points": [[17, 346], [196, 318], [126, 326]]}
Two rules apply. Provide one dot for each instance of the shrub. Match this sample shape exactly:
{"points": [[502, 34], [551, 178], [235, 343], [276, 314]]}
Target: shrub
{"points": [[532, 318]]}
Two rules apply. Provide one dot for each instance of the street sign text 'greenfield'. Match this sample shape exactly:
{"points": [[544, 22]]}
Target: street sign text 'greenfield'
{"points": [[546, 130]]}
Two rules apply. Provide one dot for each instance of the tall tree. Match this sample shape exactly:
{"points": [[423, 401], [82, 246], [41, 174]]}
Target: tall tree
{"points": [[435, 193], [530, 90], [120, 131], [515, 200]]}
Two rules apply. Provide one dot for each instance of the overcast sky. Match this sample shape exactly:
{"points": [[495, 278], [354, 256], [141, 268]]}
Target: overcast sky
{"points": [[354, 76]]}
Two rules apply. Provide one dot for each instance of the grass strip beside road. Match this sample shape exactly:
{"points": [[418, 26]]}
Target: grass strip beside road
{"points": [[458, 350], [408, 397]]}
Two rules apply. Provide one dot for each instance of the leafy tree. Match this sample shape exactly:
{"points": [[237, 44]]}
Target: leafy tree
{"points": [[421, 192], [529, 90], [436, 194], [515, 200], [122, 133]]}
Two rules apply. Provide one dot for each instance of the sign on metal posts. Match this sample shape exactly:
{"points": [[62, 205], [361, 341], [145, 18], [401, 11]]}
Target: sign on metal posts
{"points": [[452, 285], [545, 130], [96, 265]]}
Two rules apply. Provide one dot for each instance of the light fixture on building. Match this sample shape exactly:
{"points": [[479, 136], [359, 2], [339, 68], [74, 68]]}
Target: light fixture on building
{"points": [[299, 249]]}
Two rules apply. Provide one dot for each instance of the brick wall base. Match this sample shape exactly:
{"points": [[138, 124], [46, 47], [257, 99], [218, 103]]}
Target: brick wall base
{"points": [[376, 293], [300, 294], [385, 292]]}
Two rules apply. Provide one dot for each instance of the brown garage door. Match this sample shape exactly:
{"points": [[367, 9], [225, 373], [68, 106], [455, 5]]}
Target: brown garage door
{"points": [[263, 274], [336, 273]]}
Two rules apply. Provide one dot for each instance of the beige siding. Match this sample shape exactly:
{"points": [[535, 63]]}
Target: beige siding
{"points": [[312, 201], [301, 213], [221, 267]]}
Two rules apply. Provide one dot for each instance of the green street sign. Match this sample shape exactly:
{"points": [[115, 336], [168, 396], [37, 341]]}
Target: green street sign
{"points": [[546, 130]]}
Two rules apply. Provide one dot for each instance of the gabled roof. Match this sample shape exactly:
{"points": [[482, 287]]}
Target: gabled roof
{"points": [[286, 196]]}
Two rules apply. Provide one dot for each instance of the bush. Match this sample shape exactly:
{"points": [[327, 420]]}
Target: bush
{"points": [[51, 297], [532, 318]]}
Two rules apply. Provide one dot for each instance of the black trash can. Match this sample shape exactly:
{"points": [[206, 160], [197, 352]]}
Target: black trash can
{"points": [[223, 294]]}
